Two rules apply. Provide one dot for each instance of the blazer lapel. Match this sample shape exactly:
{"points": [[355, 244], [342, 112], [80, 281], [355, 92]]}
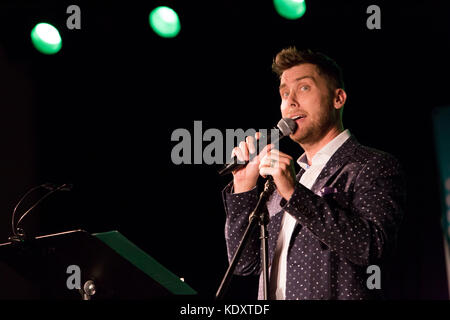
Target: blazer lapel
{"points": [[300, 173], [336, 162], [276, 215]]}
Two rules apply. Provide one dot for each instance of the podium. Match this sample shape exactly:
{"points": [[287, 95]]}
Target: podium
{"points": [[107, 264]]}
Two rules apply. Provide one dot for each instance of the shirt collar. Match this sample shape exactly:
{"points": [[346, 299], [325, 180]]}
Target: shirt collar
{"points": [[324, 154]]}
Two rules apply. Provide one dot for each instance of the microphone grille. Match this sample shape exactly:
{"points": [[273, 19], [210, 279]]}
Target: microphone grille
{"points": [[287, 126]]}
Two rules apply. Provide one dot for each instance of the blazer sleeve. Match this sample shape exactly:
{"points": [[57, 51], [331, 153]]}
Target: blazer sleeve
{"points": [[362, 225], [238, 207]]}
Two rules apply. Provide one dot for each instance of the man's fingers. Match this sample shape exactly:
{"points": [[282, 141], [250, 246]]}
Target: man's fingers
{"points": [[266, 162], [238, 153], [278, 153], [244, 150], [251, 144], [275, 159], [274, 162], [269, 156], [266, 171], [265, 150]]}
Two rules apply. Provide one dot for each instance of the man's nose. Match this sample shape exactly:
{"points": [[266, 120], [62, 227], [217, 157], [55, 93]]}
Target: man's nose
{"points": [[292, 100]]}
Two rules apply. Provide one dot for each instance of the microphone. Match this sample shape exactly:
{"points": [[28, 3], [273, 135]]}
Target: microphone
{"points": [[18, 234], [286, 126]]}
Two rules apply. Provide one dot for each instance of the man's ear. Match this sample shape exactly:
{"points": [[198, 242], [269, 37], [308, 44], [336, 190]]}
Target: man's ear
{"points": [[339, 98]]}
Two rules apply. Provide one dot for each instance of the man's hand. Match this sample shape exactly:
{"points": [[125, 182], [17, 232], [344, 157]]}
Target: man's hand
{"points": [[281, 167], [245, 179]]}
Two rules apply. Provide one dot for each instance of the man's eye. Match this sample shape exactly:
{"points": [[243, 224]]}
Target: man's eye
{"points": [[304, 88], [285, 94]]}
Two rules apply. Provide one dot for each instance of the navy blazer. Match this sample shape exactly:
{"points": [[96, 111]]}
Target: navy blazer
{"points": [[346, 222]]}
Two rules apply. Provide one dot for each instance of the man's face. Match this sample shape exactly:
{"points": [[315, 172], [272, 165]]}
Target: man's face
{"points": [[304, 92]]}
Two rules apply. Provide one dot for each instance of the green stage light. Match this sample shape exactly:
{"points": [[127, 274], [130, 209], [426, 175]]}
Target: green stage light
{"points": [[290, 9], [46, 38], [165, 22]]}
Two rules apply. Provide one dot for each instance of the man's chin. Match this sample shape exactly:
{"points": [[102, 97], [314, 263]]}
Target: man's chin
{"points": [[300, 138]]}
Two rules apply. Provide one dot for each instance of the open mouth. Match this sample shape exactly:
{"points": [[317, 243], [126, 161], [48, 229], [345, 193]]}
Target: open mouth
{"points": [[298, 117]]}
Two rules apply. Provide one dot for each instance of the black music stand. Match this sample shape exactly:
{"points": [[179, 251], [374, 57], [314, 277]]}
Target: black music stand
{"points": [[38, 269]]}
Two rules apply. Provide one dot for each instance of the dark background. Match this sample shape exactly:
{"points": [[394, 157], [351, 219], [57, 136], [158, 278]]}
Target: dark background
{"points": [[100, 114]]}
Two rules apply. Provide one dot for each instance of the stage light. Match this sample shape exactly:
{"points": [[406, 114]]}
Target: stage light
{"points": [[290, 9], [46, 38], [165, 22]]}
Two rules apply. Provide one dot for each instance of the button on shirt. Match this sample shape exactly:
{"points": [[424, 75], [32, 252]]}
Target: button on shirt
{"points": [[279, 265]]}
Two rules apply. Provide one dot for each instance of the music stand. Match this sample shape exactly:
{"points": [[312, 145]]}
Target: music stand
{"points": [[38, 269]]}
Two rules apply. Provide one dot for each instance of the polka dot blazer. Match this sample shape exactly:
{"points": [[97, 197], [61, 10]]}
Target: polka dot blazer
{"points": [[346, 222]]}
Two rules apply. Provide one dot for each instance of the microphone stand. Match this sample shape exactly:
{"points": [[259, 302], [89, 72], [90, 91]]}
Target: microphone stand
{"points": [[259, 216]]}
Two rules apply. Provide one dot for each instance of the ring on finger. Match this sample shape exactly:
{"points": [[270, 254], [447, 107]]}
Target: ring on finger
{"points": [[273, 162]]}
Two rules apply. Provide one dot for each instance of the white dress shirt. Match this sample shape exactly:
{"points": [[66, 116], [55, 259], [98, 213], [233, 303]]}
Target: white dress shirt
{"points": [[318, 162]]}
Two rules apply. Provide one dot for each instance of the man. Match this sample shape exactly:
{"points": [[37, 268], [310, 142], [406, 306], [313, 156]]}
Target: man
{"points": [[338, 215]]}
